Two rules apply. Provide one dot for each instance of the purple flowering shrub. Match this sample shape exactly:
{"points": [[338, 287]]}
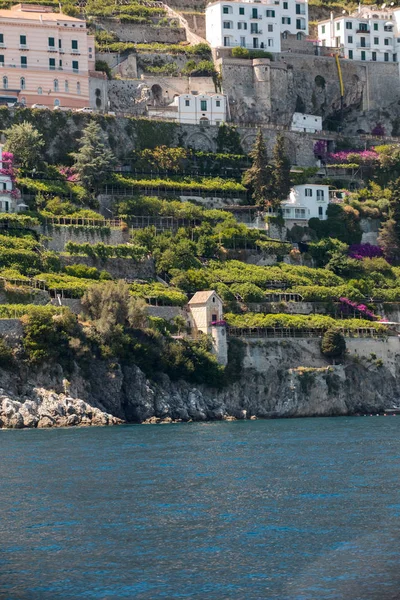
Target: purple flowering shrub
{"points": [[378, 130], [360, 251], [321, 149], [361, 157], [348, 307], [69, 173], [7, 160]]}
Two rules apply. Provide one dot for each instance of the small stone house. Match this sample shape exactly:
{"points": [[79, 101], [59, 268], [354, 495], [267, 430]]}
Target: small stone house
{"points": [[205, 308]]}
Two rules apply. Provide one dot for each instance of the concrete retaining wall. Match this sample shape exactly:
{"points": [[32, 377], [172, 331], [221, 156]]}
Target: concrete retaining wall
{"points": [[60, 235]]}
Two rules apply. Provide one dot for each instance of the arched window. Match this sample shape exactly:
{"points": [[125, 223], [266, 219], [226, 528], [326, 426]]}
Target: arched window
{"points": [[78, 88], [66, 86], [5, 82], [39, 91], [299, 36], [56, 85], [56, 102], [22, 83]]}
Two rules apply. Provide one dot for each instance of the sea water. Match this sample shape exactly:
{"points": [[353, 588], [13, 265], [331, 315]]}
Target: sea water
{"points": [[282, 509]]}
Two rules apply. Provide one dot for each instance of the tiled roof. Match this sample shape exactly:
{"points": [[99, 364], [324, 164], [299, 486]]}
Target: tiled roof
{"points": [[201, 297]]}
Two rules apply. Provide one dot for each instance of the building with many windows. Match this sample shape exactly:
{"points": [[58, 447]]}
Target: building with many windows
{"points": [[368, 35], [255, 25], [193, 109], [45, 57]]}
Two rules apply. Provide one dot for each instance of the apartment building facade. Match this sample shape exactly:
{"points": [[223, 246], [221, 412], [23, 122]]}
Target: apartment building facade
{"points": [[255, 25], [45, 57], [193, 109], [368, 35]]}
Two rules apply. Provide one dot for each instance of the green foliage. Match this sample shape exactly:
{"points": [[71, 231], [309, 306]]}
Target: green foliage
{"points": [[281, 172], [6, 355], [150, 134], [159, 293], [239, 52], [228, 140], [101, 65], [204, 184], [333, 344], [104, 251], [259, 176], [300, 322], [342, 223], [82, 271], [26, 143], [94, 160], [46, 335]]}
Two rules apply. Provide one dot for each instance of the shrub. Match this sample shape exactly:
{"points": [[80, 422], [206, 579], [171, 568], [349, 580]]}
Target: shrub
{"points": [[333, 344]]}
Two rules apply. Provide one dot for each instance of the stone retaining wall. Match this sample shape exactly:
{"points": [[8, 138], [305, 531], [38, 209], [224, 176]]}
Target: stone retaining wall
{"points": [[140, 34], [120, 268], [60, 235]]}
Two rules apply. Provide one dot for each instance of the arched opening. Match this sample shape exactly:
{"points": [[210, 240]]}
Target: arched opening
{"points": [[39, 91], [157, 92], [55, 85], [299, 35], [22, 83], [5, 82], [66, 86], [204, 122], [78, 88], [56, 102]]}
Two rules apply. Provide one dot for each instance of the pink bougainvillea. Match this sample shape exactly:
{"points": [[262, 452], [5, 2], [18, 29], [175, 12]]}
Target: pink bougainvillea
{"points": [[348, 306], [362, 157], [360, 251], [69, 173]]}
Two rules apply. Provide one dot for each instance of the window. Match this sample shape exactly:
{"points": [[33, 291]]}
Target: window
{"points": [[241, 10], [243, 42], [203, 105], [55, 83], [227, 25], [337, 26], [213, 316], [349, 25], [285, 5], [59, 44], [66, 86], [23, 100], [376, 27], [1, 38], [74, 44], [351, 54], [299, 24], [362, 54], [56, 102], [374, 56], [60, 65], [284, 35], [2, 60], [386, 57], [187, 102], [308, 192], [22, 83], [323, 29], [320, 194], [362, 42], [270, 13], [270, 42], [286, 20], [255, 43], [52, 43], [270, 28], [320, 211], [78, 88], [24, 62], [376, 41], [298, 9], [218, 103], [227, 41], [350, 39], [254, 13], [394, 57], [22, 40], [225, 10], [39, 91], [242, 25], [299, 36], [386, 42], [75, 66], [362, 27], [5, 82], [253, 27], [52, 64]]}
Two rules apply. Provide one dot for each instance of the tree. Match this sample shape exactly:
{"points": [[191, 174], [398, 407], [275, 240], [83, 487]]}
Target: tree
{"points": [[333, 344], [388, 240], [26, 143], [259, 176], [94, 160], [110, 306], [280, 172]]}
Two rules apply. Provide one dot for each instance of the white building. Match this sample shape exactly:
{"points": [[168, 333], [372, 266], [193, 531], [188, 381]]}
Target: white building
{"points": [[368, 35], [206, 311], [195, 109], [308, 123], [305, 202], [9, 196], [255, 25]]}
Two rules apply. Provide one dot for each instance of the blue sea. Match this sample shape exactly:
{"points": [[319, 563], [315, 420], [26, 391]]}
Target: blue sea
{"points": [[282, 509]]}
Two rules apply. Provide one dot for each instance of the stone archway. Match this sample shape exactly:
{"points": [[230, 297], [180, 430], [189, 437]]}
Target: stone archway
{"points": [[248, 141], [200, 141], [156, 91]]}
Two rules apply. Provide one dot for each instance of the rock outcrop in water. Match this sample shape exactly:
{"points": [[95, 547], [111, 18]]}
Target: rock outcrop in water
{"points": [[278, 379]]}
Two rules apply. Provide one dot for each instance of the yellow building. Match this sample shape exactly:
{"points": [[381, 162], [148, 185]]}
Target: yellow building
{"points": [[45, 57]]}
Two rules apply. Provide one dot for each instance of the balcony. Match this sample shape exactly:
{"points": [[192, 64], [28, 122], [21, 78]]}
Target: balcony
{"points": [[51, 49], [2, 45], [363, 31], [256, 32], [362, 46], [23, 47], [75, 51]]}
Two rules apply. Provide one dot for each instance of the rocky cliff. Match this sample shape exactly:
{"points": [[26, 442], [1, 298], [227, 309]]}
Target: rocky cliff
{"points": [[273, 383]]}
